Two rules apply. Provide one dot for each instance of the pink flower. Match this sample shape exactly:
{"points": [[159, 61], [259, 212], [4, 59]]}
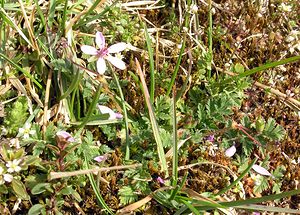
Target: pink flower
{"points": [[103, 53], [211, 138]]}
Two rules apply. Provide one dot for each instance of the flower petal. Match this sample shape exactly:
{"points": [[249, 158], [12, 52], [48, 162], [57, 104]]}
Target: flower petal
{"points": [[117, 62], [103, 109], [100, 158], [160, 180], [100, 40], [118, 47], [230, 151], [89, 50], [8, 177], [118, 115], [101, 66], [63, 135], [261, 170]]}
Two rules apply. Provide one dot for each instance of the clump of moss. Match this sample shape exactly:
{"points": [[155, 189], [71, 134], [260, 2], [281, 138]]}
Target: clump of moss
{"points": [[16, 116]]}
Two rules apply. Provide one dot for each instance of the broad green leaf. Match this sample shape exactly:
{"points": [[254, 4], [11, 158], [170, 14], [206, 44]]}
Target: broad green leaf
{"points": [[20, 189], [40, 188], [36, 209]]}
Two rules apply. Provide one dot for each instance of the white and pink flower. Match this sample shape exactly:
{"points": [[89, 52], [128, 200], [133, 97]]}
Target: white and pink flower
{"points": [[103, 53]]}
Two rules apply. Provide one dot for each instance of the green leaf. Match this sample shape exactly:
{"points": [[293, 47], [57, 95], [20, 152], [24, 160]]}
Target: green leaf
{"points": [[30, 159], [3, 189], [261, 184], [70, 191], [127, 195], [36, 209], [269, 65], [41, 187], [20, 189]]}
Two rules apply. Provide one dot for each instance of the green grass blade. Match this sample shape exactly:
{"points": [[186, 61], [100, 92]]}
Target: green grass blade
{"points": [[261, 199], [176, 66], [186, 25], [210, 41], [204, 202], [224, 190], [190, 206], [175, 146], [151, 64], [127, 146], [41, 14], [10, 22], [154, 125], [268, 208], [106, 9], [21, 70], [45, 49], [91, 107], [73, 85], [95, 4], [242, 203], [51, 13], [269, 65], [96, 190], [64, 17]]}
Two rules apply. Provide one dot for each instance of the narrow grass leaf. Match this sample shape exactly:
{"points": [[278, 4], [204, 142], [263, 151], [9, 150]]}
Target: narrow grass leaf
{"points": [[90, 10], [160, 148], [176, 66], [51, 13], [21, 70], [261, 199], [151, 63], [175, 145], [74, 84], [268, 208], [64, 17], [269, 65], [10, 22], [92, 18], [127, 146], [41, 14], [97, 191], [190, 206], [242, 203], [91, 107], [224, 190], [210, 41]]}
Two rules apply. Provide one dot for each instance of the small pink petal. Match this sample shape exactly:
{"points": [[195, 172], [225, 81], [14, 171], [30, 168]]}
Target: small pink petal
{"points": [[101, 66], [100, 40], [117, 62], [118, 116], [65, 135], [230, 151], [100, 158], [160, 180], [261, 170], [118, 47], [89, 50]]}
